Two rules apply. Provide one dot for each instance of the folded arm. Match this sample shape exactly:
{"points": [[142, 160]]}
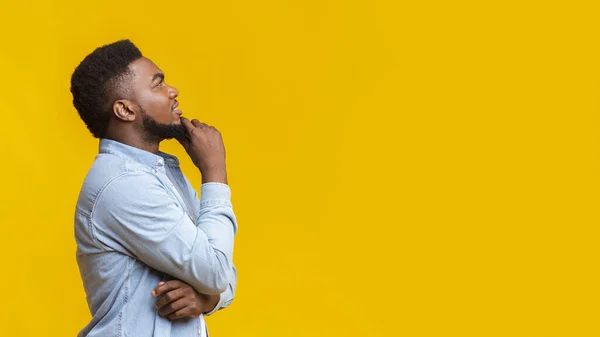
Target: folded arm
{"points": [[147, 224]]}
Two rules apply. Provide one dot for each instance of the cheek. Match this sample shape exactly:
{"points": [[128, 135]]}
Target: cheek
{"points": [[159, 107]]}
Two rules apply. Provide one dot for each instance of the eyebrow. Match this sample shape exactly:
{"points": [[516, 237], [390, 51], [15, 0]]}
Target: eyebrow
{"points": [[158, 75]]}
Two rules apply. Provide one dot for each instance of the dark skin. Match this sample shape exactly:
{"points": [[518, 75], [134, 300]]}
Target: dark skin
{"points": [[150, 92], [204, 143], [175, 299]]}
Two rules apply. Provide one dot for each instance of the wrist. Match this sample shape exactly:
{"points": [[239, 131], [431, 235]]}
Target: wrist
{"points": [[211, 302], [214, 175]]}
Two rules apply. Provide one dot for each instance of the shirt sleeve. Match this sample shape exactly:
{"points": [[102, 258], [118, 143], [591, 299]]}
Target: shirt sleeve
{"points": [[226, 297], [207, 191], [136, 215]]}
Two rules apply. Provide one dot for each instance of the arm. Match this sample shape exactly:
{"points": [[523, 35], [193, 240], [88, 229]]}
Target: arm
{"points": [[177, 299], [205, 146], [226, 297], [147, 224]]}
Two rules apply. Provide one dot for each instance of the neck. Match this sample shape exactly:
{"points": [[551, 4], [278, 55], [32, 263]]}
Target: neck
{"points": [[135, 140]]}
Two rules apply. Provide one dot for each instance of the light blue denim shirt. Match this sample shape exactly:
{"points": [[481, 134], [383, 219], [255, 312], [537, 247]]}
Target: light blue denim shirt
{"points": [[138, 221]]}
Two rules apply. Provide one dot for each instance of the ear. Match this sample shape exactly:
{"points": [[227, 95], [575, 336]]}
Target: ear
{"points": [[124, 110]]}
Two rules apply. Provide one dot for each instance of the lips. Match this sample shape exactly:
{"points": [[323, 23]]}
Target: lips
{"points": [[175, 110]]}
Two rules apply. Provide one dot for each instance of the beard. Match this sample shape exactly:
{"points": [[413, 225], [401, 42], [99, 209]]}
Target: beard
{"points": [[158, 131]]}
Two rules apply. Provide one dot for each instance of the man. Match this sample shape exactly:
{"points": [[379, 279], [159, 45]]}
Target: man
{"points": [[153, 258]]}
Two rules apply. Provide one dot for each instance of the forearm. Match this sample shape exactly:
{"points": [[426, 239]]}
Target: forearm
{"points": [[154, 230]]}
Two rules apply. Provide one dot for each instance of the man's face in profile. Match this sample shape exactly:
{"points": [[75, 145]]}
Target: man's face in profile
{"points": [[156, 100]]}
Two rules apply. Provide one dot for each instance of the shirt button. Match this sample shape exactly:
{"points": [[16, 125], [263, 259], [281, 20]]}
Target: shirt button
{"points": [[200, 332]]}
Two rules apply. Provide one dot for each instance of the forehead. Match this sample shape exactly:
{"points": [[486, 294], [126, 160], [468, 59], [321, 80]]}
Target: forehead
{"points": [[144, 69]]}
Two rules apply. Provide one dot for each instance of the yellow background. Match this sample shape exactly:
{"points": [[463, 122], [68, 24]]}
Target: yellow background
{"points": [[399, 168]]}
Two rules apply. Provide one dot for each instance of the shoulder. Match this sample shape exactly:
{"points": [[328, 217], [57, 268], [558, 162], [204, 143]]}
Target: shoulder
{"points": [[130, 187], [112, 173]]}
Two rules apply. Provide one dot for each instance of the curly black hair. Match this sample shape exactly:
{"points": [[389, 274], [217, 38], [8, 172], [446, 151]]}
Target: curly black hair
{"points": [[98, 81]]}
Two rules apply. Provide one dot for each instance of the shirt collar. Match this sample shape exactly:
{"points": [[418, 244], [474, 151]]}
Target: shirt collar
{"points": [[170, 160], [155, 161]]}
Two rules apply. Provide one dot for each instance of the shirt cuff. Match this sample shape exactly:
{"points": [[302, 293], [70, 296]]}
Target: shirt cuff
{"points": [[211, 193], [222, 299]]}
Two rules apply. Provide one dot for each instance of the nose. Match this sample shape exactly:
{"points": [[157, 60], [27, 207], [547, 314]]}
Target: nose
{"points": [[173, 92]]}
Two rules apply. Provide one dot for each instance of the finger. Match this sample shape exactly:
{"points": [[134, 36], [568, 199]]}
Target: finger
{"points": [[185, 142], [173, 307], [203, 125], [169, 297], [179, 314], [165, 287], [196, 123], [187, 124], [154, 291]]}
